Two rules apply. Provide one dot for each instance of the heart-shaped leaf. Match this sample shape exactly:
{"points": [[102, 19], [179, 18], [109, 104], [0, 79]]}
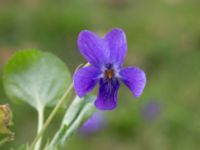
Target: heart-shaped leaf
{"points": [[38, 78]]}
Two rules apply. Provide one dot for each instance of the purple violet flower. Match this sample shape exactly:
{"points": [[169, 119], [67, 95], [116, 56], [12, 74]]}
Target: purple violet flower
{"points": [[93, 124], [151, 110], [106, 56]]}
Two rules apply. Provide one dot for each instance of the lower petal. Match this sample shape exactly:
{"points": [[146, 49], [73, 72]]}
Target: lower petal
{"points": [[134, 78], [107, 97], [85, 79]]}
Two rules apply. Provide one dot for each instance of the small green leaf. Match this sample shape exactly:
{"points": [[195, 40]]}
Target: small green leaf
{"points": [[73, 111], [78, 112], [38, 78], [85, 113]]}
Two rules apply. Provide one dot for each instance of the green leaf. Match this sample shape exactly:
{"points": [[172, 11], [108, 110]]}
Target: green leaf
{"points": [[78, 112], [85, 113], [35, 77], [73, 111]]}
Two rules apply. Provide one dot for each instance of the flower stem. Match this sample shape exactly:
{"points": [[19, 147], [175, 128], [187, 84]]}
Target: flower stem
{"points": [[40, 124], [50, 117]]}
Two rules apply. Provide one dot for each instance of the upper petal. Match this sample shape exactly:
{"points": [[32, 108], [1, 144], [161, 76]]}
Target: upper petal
{"points": [[92, 47], [117, 45], [85, 79], [107, 97], [134, 78]]}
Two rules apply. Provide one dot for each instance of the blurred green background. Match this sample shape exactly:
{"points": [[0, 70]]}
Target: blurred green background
{"points": [[163, 39]]}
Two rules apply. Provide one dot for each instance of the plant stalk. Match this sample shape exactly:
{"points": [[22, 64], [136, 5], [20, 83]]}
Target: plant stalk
{"points": [[40, 124]]}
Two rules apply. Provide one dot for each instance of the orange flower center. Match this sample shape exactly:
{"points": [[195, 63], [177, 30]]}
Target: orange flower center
{"points": [[109, 73]]}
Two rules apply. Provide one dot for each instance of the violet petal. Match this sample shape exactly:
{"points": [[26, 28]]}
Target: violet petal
{"points": [[92, 47], [107, 97], [85, 79], [117, 45], [95, 123], [134, 78]]}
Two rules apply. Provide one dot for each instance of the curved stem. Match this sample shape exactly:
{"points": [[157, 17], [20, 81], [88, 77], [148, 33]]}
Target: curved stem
{"points": [[51, 116], [40, 124]]}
